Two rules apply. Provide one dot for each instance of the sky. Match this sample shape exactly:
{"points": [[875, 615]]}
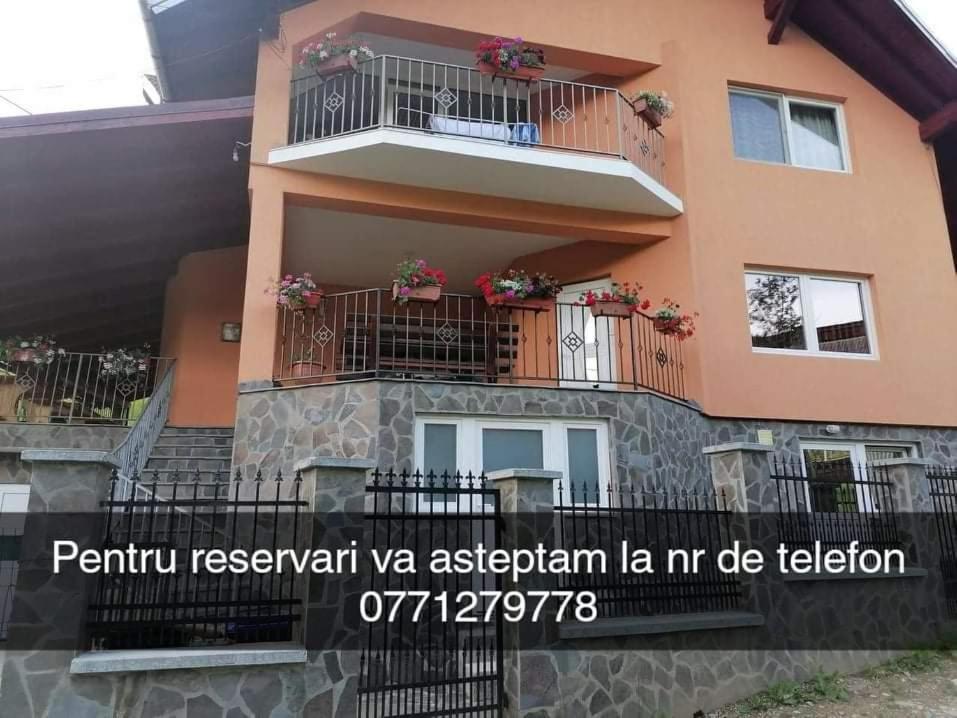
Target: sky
{"points": [[62, 55]]}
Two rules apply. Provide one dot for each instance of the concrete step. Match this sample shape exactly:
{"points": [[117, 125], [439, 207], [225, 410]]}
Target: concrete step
{"points": [[188, 463], [197, 431], [200, 451], [194, 440]]}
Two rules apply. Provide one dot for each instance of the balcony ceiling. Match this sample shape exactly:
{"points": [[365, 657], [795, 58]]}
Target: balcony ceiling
{"points": [[327, 243], [97, 207]]}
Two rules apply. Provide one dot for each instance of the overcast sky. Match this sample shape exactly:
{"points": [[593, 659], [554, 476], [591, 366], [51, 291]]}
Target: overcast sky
{"points": [[59, 55]]}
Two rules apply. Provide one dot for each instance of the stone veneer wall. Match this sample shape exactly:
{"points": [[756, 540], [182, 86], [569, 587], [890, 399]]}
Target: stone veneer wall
{"points": [[61, 436], [656, 442]]}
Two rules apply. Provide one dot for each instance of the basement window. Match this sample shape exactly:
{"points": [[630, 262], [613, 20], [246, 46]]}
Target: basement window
{"points": [[768, 127]]}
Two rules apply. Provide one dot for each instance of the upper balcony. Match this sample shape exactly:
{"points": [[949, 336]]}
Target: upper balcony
{"points": [[444, 126]]}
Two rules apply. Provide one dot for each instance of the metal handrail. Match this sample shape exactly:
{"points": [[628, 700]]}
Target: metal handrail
{"points": [[132, 454], [560, 114]]}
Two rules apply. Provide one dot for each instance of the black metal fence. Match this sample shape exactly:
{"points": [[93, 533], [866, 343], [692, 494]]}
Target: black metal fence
{"points": [[592, 517], [943, 495], [9, 564], [184, 608], [435, 666], [363, 333], [835, 503]]}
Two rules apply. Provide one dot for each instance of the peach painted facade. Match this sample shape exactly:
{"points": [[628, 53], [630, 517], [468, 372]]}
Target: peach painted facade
{"points": [[206, 291], [882, 221]]}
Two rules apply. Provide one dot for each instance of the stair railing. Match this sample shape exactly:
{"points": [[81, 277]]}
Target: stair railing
{"points": [[131, 455]]}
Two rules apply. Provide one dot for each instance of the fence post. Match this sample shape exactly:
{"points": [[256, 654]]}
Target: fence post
{"points": [[49, 611], [911, 489], [742, 472], [527, 502], [336, 491]]}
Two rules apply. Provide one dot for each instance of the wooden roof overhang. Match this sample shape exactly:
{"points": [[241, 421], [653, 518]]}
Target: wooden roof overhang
{"points": [[97, 208]]}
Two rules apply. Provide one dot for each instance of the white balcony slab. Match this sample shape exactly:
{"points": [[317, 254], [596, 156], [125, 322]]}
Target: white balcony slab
{"points": [[424, 159]]}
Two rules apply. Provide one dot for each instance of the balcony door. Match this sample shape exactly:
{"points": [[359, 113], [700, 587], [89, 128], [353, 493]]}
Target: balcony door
{"points": [[586, 344]]}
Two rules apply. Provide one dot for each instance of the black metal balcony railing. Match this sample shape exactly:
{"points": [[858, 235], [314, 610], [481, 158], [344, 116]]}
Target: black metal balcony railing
{"points": [[451, 100], [76, 388], [836, 502], [363, 333]]}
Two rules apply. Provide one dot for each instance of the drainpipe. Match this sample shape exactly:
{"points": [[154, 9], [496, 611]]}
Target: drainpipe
{"points": [[161, 77]]}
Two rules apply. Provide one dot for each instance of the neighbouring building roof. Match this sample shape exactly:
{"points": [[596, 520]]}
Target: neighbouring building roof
{"points": [[97, 207]]}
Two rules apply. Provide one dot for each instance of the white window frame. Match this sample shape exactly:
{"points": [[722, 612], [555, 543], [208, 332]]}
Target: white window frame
{"points": [[468, 440], [784, 115], [807, 314], [858, 450]]}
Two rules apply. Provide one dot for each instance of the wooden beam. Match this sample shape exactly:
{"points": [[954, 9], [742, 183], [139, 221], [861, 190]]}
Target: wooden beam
{"points": [[771, 8], [940, 122], [784, 11]]}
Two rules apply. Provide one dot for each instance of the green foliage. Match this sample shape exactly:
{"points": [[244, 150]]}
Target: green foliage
{"points": [[822, 686]]}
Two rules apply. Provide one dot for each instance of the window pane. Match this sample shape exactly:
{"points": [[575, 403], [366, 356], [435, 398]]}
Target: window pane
{"points": [[879, 453], [583, 457], [839, 316], [511, 449], [440, 451], [831, 480], [815, 140], [756, 128], [774, 310]]}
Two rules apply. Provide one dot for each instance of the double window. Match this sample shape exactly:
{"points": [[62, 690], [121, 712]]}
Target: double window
{"points": [[807, 313], [835, 471], [787, 130], [579, 449]]}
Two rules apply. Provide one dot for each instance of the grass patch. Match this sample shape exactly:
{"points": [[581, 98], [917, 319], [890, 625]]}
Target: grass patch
{"points": [[821, 687], [921, 661]]}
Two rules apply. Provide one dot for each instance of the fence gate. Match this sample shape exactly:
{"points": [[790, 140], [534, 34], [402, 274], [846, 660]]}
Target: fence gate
{"points": [[435, 665], [943, 494]]}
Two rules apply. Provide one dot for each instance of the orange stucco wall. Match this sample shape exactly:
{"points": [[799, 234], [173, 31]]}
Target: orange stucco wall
{"points": [[883, 220], [206, 291]]}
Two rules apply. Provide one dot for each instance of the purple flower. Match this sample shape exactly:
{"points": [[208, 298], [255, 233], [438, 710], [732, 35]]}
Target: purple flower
{"points": [[510, 293], [405, 291], [513, 63]]}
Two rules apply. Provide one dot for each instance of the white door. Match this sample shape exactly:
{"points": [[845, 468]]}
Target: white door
{"points": [[586, 344]]}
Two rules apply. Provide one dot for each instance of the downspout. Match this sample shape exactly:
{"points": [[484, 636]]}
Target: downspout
{"points": [[162, 78]]}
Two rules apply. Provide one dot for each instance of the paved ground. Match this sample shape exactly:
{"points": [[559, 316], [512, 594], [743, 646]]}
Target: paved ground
{"points": [[931, 694]]}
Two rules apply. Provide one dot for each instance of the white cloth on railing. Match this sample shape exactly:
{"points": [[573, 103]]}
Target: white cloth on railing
{"points": [[471, 128]]}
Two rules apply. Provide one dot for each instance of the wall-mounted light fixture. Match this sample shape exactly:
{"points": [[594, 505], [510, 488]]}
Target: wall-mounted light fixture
{"points": [[236, 145], [231, 331]]}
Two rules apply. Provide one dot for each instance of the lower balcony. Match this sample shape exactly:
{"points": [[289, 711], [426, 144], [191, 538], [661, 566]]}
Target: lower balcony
{"points": [[443, 126], [364, 333]]}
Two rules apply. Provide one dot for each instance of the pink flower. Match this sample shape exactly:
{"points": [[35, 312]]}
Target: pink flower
{"points": [[510, 293], [405, 291]]}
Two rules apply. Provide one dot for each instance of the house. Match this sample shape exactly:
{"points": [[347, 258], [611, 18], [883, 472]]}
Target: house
{"points": [[802, 201]]}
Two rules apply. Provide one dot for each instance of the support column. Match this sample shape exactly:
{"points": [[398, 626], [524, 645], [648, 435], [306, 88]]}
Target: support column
{"points": [[336, 490], [48, 621], [743, 472], [528, 508], [911, 488], [263, 266]]}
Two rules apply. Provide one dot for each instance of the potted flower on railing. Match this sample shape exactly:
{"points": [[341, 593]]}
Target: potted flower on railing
{"points": [[504, 56], [330, 56], [655, 107], [621, 300], [125, 363], [418, 282], [517, 289], [297, 293], [37, 349], [671, 322]]}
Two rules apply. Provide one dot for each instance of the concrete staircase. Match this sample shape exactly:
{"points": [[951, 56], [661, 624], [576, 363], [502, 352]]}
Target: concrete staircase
{"points": [[188, 449]]}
